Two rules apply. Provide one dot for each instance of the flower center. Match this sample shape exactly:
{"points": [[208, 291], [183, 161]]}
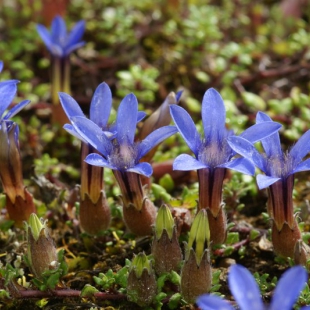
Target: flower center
{"points": [[123, 156], [280, 166], [214, 154]]}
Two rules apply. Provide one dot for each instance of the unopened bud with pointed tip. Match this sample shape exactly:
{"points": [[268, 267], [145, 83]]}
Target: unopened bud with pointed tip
{"points": [[199, 235], [41, 254], [141, 286], [165, 248], [196, 275]]}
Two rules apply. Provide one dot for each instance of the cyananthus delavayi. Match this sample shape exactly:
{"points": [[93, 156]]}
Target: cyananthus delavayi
{"points": [[213, 155], [122, 154], [247, 295], [58, 41], [279, 168], [94, 210], [19, 202], [61, 44]]}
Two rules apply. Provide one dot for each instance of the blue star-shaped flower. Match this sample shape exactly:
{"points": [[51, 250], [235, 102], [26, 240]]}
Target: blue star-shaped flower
{"points": [[121, 152], [276, 164], [213, 151], [58, 41], [8, 91], [247, 295]]}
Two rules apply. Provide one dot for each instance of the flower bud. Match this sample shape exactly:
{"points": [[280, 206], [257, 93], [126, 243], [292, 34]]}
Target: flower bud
{"points": [[141, 285], [165, 248], [196, 275], [41, 253]]}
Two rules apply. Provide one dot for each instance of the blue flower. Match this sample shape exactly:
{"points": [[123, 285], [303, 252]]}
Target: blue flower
{"points": [[121, 152], [247, 295], [276, 164], [58, 41], [8, 91], [213, 151], [99, 113]]}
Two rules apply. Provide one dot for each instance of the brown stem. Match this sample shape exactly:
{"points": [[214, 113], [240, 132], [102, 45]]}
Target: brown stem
{"points": [[211, 189], [65, 293], [131, 188], [280, 202]]}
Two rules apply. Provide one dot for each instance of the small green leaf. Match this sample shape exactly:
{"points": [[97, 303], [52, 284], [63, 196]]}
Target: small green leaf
{"points": [[42, 303], [232, 237], [174, 301], [88, 291], [254, 234], [175, 278], [53, 280], [161, 281]]}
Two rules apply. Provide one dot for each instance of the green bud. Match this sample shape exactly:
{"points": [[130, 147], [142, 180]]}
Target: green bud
{"points": [[165, 247], [35, 225], [199, 236], [41, 254], [139, 263], [164, 221]]}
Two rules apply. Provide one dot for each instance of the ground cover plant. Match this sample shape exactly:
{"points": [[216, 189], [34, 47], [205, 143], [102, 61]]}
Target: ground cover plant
{"points": [[154, 155]]}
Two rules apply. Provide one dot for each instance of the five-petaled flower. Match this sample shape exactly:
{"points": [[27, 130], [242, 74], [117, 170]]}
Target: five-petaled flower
{"points": [[279, 169], [92, 185], [94, 210], [213, 155], [58, 41], [247, 295], [121, 154]]}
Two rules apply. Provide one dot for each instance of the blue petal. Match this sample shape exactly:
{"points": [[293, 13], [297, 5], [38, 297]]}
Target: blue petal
{"points": [[142, 168], [45, 35], [264, 181], [70, 129], [7, 93], [211, 302], [141, 115], [213, 116], [59, 31], [16, 109], [76, 33], [303, 166], [97, 160], [244, 288], [178, 95], [260, 131], [271, 144], [1, 66], [126, 119], [155, 138], [101, 104], [69, 105], [73, 47], [92, 134], [241, 165], [288, 288], [247, 150], [186, 162], [186, 127], [301, 148]]}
